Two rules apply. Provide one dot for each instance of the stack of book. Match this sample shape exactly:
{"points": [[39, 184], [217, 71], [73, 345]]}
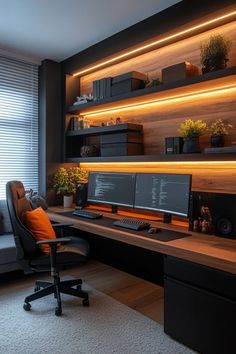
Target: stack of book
{"points": [[102, 88], [74, 123]]}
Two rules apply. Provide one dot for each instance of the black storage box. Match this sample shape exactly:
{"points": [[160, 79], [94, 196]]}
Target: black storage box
{"points": [[126, 137], [127, 82], [121, 149], [129, 142], [179, 71]]}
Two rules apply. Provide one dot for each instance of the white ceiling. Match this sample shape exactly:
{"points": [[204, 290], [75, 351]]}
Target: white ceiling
{"points": [[57, 29]]}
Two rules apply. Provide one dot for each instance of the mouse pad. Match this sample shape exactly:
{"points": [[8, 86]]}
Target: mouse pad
{"points": [[163, 235]]}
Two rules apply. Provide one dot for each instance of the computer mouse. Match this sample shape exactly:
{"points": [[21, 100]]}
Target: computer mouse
{"points": [[153, 230]]}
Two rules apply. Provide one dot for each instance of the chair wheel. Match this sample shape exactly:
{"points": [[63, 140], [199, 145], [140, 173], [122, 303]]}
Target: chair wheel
{"points": [[27, 306], [85, 302], [78, 287], [37, 288], [58, 311]]}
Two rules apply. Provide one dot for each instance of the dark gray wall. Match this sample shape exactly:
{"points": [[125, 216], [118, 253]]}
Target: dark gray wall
{"points": [[50, 124]]}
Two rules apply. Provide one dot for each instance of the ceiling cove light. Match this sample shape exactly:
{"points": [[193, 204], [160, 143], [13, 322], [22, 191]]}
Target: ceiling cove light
{"points": [[230, 16], [173, 99]]}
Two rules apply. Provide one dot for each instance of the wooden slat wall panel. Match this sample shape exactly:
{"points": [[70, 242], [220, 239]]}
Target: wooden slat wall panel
{"points": [[153, 62], [206, 177], [165, 119]]}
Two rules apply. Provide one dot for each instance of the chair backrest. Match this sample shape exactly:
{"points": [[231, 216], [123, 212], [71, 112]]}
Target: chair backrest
{"points": [[17, 203]]}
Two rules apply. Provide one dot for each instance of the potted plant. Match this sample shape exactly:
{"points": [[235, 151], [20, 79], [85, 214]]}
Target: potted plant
{"points": [[214, 54], [191, 130], [219, 129], [66, 181]]}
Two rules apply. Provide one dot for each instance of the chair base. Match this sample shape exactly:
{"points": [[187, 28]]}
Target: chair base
{"points": [[44, 288]]}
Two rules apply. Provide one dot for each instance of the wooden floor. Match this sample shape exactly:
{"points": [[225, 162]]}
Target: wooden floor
{"points": [[139, 294]]}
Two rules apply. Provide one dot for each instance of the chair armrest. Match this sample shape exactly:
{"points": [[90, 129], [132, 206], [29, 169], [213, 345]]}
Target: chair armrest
{"points": [[54, 241], [61, 228], [64, 224]]}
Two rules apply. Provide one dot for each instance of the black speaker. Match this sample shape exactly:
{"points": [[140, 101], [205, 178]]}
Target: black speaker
{"points": [[225, 215], [222, 208], [81, 195], [173, 145]]}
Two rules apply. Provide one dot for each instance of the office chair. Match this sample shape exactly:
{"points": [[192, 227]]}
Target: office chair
{"points": [[32, 259]]}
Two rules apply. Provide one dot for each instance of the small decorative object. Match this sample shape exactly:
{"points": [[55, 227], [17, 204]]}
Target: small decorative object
{"points": [[150, 82], [118, 120], [86, 124], [214, 54], [191, 131], [81, 123], [66, 181], [218, 130], [206, 219], [89, 151], [180, 71], [83, 99], [110, 122]]}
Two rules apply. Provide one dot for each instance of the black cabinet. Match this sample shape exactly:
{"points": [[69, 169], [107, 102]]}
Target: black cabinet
{"points": [[116, 140], [200, 306]]}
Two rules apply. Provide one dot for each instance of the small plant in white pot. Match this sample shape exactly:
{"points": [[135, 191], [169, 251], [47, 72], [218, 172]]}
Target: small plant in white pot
{"points": [[66, 181]]}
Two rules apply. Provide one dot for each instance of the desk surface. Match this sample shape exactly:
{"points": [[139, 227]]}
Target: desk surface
{"points": [[209, 250]]}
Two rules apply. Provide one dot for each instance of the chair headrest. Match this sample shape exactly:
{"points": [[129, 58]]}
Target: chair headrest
{"points": [[20, 191]]}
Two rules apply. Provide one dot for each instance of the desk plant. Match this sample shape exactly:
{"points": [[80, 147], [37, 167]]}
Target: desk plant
{"points": [[214, 54], [218, 130], [66, 181], [191, 130]]}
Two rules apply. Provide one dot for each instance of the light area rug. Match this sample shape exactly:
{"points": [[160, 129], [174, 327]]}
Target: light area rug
{"points": [[105, 327]]}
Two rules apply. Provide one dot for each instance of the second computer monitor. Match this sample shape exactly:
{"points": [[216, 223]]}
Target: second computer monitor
{"points": [[166, 193], [112, 188]]}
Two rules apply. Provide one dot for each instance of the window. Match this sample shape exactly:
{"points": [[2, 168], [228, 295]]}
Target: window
{"points": [[18, 123]]}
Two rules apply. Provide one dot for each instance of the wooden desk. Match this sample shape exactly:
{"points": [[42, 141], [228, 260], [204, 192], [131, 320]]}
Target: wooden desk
{"points": [[208, 250], [200, 302]]}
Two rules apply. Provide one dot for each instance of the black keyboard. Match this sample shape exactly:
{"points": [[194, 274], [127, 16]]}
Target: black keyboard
{"points": [[87, 214], [132, 224]]}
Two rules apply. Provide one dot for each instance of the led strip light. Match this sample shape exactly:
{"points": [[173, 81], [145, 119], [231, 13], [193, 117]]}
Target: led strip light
{"points": [[155, 43], [153, 103]]}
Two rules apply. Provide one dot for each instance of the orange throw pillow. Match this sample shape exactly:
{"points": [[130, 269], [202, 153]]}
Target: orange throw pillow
{"points": [[39, 224]]}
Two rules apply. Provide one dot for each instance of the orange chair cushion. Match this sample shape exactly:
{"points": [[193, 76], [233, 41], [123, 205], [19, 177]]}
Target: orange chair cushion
{"points": [[39, 224]]}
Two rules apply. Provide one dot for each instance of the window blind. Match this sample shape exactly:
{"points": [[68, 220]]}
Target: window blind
{"points": [[18, 123]]}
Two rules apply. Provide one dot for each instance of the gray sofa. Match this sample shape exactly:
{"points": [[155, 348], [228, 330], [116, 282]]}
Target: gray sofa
{"points": [[7, 244]]}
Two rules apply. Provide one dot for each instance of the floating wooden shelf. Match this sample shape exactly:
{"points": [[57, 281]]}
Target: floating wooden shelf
{"points": [[157, 158], [105, 130], [210, 81]]}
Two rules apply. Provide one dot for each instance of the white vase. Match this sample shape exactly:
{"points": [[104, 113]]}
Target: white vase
{"points": [[67, 201]]}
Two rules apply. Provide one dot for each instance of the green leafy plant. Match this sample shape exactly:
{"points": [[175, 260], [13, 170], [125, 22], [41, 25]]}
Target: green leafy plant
{"points": [[66, 180], [190, 128], [214, 54], [220, 127]]}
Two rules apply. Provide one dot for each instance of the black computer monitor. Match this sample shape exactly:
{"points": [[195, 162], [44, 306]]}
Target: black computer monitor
{"points": [[165, 193], [112, 188]]}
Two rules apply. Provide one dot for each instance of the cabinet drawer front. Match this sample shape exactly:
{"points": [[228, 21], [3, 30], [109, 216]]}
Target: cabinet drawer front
{"points": [[129, 137], [203, 277], [199, 319]]}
